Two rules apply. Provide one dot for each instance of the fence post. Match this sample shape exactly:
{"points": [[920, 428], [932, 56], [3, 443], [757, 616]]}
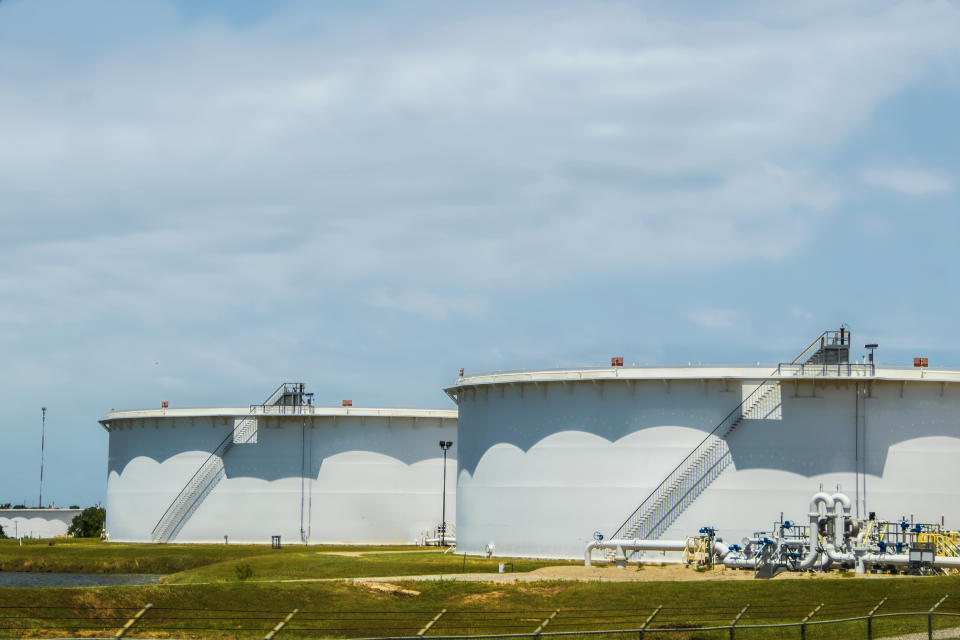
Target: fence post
{"points": [[737, 619], [870, 619], [280, 625], [930, 616], [431, 623], [803, 623], [545, 623], [132, 621], [648, 621]]}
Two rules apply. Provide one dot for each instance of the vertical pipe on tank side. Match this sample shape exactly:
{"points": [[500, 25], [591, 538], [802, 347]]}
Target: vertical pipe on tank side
{"points": [[863, 446], [303, 475], [856, 445], [310, 482]]}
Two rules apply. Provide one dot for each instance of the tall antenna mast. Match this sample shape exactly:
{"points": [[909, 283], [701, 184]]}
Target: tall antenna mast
{"points": [[43, 432]]}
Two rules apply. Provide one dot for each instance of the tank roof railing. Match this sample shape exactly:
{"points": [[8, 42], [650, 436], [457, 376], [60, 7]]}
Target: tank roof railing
{"points": [[806, 370], [699, 365], [841, 337], [280, 409], [288, 394]]}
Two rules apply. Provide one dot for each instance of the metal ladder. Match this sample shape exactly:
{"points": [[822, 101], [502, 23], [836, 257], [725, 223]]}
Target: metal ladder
{"points": [[697, 470], [208, 476], [711, 457]]}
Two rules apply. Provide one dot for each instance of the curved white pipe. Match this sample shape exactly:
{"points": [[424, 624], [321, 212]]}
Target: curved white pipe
{"points": [[821, 497], [830, 552], [813, 541], [633, 545], [722, 552], [841, 510]]}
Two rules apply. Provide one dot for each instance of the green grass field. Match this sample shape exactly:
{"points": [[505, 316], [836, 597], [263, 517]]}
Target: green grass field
{"points": [[319, 565], [70, 555], [343, 609], [212, 598]]}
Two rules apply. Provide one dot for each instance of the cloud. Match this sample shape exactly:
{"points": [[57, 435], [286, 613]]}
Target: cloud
{"points": [[496, 144], [432, 306], [238, 199], [184, 170], [713, 318], [911, 182]]}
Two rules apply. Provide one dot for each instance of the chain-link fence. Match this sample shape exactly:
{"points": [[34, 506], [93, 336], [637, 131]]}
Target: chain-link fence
{"points": [[851, 619]]}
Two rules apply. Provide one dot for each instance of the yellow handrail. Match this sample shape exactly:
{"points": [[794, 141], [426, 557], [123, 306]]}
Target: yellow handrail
{"points": [[812, 345]]}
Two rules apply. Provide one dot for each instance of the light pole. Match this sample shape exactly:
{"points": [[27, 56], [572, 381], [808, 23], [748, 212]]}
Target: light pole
{"points": [[444, 446], [43, 432], [871, 346]]}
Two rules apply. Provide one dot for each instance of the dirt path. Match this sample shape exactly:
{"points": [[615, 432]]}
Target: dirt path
{"points": [[668, 573], [355, 554]]}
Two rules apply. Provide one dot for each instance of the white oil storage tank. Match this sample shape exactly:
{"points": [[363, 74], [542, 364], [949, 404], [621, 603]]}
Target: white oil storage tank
{"points": [[552, 459], [282, 468]]}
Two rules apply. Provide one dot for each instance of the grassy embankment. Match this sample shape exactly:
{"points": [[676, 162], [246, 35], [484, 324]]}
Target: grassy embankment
{"points": [[214, 596], [343, 609], [70, 555], [196, 563]]}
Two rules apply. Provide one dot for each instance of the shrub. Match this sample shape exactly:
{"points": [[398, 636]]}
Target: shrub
{"points": [[243, 571], [89, 524], [2, 534]]}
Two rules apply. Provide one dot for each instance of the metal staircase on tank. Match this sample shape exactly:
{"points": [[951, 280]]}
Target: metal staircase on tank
{"points": [[711, 456], [832, 347], [698, 469], [288, 398]]}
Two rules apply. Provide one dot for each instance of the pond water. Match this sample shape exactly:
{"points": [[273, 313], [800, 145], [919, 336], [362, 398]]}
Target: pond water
{"points": [[33, 579]]}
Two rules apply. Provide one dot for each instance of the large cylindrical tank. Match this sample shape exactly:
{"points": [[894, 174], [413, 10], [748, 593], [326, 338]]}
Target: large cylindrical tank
{"points": [[307, 474], [549, 458]]}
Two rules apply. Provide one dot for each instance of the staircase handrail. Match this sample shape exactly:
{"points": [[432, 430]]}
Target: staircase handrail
{"points": [[845, 338], [219, 450], [673, 474], [276, 395], [818, 340], [739, 408]]}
